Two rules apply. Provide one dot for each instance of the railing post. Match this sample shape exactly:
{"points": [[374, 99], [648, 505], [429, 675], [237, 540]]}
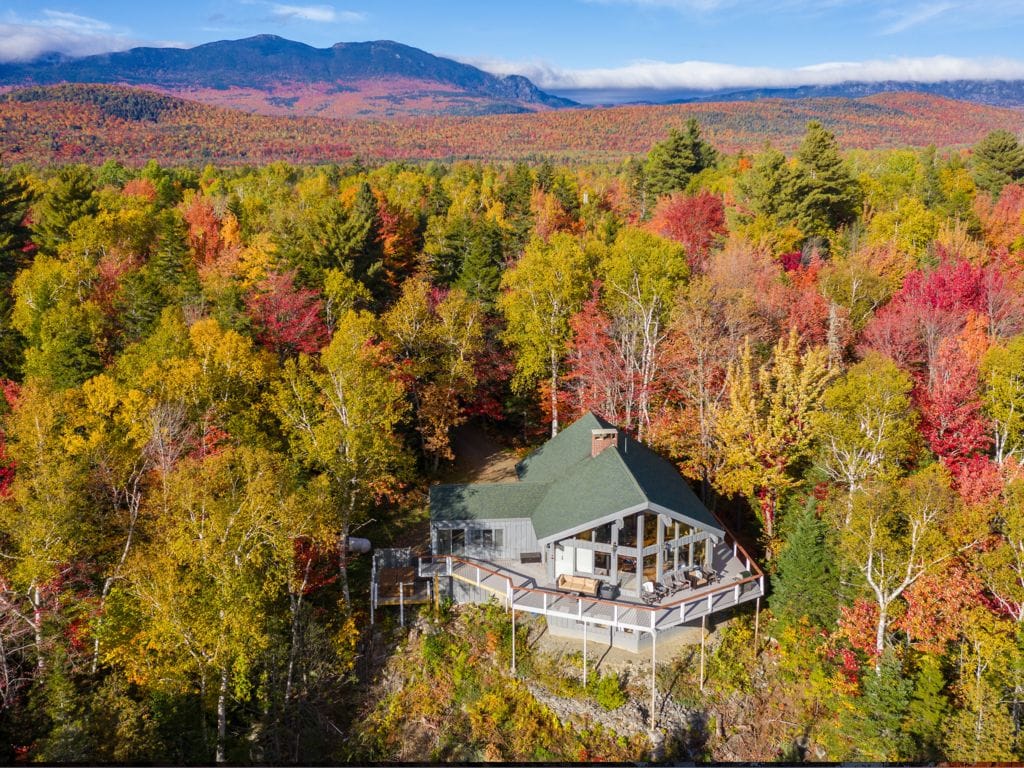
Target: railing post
{"points": [[709, 601], [544, 601], [579, 608], [615, 615], [478, 576], [736, 593], [735, 548], [652, 621], [760, 582], [448, 561], [682, 612]]}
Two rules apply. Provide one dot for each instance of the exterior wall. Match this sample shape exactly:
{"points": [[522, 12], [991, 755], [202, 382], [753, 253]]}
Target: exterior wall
{"points": [[517, 536]]}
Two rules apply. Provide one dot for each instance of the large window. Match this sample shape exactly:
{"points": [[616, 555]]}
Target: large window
{"points": [[486, 537]]}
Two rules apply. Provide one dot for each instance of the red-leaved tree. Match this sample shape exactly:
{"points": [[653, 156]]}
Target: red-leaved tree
{"points": [[697, 222], [288, 320]]}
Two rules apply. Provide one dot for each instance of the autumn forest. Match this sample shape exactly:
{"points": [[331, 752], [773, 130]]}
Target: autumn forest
{"points": [[212, 376]]}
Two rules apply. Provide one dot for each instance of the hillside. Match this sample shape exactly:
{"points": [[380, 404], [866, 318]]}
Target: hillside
{"points": [[95, 123], [267, 74]]}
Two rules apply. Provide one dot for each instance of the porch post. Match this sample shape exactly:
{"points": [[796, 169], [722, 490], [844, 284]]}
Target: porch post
{"points": [[639, 551], [675, 546], [690, 563], [614, 569], [585, 655], [654, 679], [703, 621], [549, 548], [708, 548], [659, 557], [513, 634], [757, 620]]}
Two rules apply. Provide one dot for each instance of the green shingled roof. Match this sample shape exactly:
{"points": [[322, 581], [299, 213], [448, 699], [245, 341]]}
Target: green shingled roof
{"points": [[562, 488]]}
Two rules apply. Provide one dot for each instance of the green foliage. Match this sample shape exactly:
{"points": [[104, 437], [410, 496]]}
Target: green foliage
{"points": [[998, 160], [820, 193], [67, 198], [607, 690], [876, 723], [672, 163], [806, 584]]}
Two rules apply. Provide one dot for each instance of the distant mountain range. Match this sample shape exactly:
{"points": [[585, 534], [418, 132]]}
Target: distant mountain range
{"points": [[998, 93], [271, 75]]}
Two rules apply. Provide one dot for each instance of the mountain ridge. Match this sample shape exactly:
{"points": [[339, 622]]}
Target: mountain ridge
{"points": [[285, 69]]}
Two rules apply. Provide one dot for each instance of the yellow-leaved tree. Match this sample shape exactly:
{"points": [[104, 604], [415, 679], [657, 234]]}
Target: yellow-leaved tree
{"points": [[765, 427]]}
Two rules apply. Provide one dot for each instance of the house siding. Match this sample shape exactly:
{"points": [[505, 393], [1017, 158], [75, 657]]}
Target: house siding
{"points": [[517, 537]]}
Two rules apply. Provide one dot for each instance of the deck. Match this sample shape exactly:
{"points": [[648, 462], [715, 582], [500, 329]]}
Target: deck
{"points": [[525, 587]]}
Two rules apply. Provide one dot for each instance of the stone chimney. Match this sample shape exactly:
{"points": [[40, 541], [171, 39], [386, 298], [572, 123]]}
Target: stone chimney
{"points": [[601, 439]]}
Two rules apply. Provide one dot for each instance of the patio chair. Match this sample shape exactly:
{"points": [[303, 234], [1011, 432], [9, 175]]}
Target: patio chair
{"points": [[649, 592]]}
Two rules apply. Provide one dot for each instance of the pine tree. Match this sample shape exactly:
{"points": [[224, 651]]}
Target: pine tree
{"points": [[806, 584], [820, 194], [13, 233], [998, 161], [68, 199], [672, 163], [875, 724], [928, 709], [481, 265]]}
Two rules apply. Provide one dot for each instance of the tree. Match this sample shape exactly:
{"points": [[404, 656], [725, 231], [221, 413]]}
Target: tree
{"points": [[68, 198], [806, 584], [765, 426], [541, 293], [201, 600], [899, 533], [436, 339], [820, 193], [14, 201], [672, 163], [1002, 375], [696, 222], [866, 427], [288, 320], [998, 160], [340, 415], [640, 274], [875, 722]]}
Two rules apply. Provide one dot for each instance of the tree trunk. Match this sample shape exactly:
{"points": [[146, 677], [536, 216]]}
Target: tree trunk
{"points": [[37, 627], [883, 620], [222, 717], [554, 393]]}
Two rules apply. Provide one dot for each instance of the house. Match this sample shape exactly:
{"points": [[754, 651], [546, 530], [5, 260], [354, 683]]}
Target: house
{"points": [[597, 530]]}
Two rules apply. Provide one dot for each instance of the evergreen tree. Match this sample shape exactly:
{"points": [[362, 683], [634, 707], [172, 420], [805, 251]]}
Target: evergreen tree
{"points": [[998, 161], [13, 233], [928, 709], [820, 194], [481, 265], [875, 723], [806, 584], [763, 185], [168, 278], [68, 199], [672, 163]]}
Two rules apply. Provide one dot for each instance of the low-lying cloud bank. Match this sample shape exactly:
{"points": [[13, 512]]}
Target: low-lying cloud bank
{"points": [[644, 78]]}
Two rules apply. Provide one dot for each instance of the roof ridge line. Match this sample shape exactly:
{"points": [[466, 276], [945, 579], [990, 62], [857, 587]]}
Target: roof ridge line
{"points": [[629, 471]]}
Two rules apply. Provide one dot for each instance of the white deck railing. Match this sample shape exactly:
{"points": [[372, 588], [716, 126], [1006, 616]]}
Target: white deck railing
{"points": [[618, 614]]}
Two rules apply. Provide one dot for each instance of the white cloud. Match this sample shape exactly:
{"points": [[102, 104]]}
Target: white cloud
{"points": [[324, 14], [61, 32], [706, 75]]}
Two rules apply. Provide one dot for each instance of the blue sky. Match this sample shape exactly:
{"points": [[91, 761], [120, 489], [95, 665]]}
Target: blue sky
{"points": [[579, 45]]}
